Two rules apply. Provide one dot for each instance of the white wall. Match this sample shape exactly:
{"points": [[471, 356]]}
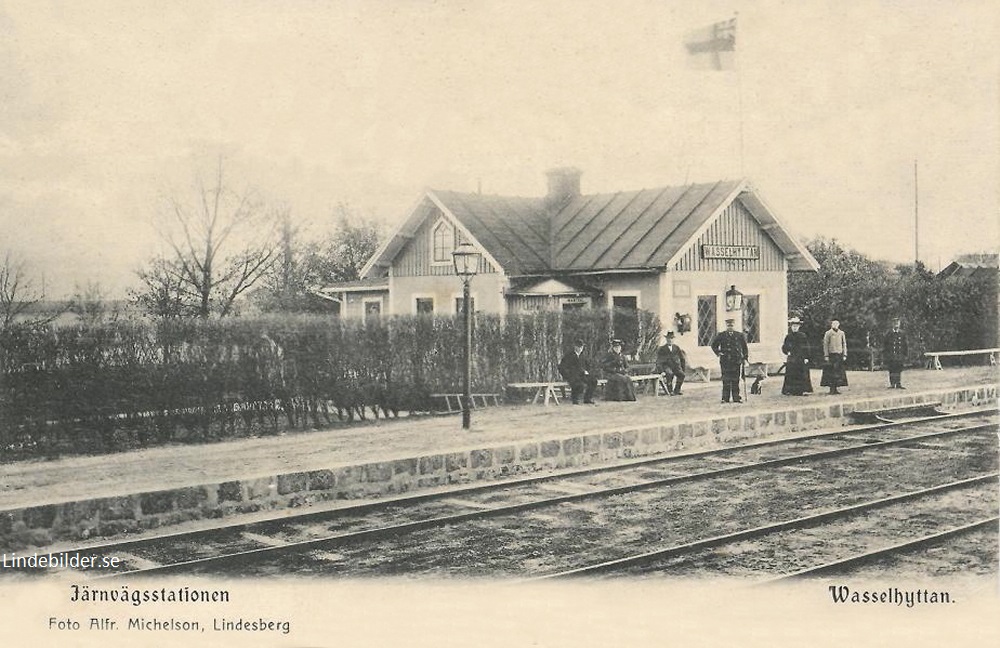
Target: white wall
{"points": [[487, 291], [771, 286]]}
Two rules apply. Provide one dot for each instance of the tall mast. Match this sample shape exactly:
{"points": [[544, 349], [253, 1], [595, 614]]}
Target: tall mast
{"points": [[916, 217]]}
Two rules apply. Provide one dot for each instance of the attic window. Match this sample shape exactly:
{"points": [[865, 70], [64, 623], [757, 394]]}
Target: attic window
{"points": [[443, 241]]}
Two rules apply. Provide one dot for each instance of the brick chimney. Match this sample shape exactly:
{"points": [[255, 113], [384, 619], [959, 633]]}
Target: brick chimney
{"points": [[564, 184]]}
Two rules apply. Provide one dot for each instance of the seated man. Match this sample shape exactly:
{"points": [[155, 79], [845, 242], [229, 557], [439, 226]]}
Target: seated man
{"points": [[671, 361], [615, 366], [575, 368]]}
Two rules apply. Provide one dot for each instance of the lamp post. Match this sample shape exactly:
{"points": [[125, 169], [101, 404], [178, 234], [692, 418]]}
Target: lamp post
{"points": [[466, 259]]}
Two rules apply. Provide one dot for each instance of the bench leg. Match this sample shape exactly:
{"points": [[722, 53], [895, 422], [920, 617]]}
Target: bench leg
{"points": [[937, 363]]}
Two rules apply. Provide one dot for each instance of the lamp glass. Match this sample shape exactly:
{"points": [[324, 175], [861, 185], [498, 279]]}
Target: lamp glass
{"points": [[466, 259], [734, 299]]}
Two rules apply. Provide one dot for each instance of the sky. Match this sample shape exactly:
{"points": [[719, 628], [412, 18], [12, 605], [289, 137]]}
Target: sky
{"points": [[107, 107]]}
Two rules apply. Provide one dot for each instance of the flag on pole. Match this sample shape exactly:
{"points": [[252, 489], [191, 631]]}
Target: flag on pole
{"points": [[712, 47]]}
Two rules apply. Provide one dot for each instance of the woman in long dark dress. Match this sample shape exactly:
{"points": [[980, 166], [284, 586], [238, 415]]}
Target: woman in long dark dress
{"points": [[796, 348], [619, 386]]}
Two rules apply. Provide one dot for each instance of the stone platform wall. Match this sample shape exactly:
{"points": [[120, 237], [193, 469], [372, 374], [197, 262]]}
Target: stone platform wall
{"points": [[116, 516]]}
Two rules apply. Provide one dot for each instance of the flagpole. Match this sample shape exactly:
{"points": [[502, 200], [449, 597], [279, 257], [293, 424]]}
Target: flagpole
{"points": [[916, 217], [739, 86]]}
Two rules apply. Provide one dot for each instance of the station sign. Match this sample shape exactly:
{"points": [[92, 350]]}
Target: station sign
{"points": [[751, 252]]}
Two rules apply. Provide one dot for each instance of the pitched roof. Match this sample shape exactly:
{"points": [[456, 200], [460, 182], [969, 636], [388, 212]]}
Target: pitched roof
{"points": [[972, 265], [626, 230], [514, 230], [367, 284]]}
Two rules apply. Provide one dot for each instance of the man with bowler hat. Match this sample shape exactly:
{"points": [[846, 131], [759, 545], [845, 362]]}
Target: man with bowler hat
{"points": [[671, 362], [731, 347], [894, 352], [576, 369]]}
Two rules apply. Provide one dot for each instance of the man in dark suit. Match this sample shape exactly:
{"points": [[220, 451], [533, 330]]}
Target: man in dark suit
{"points": [[894, 352], [576, 369], [671, 362], [731, 347]]}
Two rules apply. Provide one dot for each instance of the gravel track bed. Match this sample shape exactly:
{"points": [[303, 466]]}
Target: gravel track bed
{"points": [[568, 535], [243, 539], [786, 552]]}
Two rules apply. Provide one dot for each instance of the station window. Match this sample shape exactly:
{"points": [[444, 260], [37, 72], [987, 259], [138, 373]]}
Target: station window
{"points": [[424, 305], [373, 310], [751, 317], [706, 319], [458, 305], [443, 242]]}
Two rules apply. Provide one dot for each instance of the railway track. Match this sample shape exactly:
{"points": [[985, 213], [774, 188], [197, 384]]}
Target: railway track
{"points": [[292, 542], [806, 538]]}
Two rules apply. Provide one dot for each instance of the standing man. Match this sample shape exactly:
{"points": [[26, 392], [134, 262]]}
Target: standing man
{"points": [[894, 352], [834, 352], [671, 362], [576, 369], [731, 347]]}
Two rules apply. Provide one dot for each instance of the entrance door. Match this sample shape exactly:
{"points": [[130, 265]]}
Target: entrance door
{"points": [[625, 320]]}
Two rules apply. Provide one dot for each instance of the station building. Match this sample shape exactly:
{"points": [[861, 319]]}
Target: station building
{"points": [[694, 254]]}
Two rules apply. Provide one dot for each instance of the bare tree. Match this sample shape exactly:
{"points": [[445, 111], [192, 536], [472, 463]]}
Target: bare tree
{"points": [[91, 304], [220, 244], [309, 262], [161, 294], [19, 296]]}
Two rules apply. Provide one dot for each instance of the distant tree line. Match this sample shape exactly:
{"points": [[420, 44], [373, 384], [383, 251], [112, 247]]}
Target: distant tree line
{"points": [[865, 295]]}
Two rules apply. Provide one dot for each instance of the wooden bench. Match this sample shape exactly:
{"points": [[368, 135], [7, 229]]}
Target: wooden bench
{"points": [[654, 381], [934, 357], [544, 391], [555, 390], [697, 374], [483, 401]]}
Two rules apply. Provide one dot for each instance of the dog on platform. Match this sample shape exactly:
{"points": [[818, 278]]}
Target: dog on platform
{"points": [[756, 386]]}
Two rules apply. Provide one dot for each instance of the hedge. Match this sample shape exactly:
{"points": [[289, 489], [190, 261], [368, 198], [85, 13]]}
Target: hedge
{"points": [[133, 384]]}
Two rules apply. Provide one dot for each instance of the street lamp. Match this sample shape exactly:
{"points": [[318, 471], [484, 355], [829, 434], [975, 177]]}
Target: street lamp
{"points": [[466, 259]]}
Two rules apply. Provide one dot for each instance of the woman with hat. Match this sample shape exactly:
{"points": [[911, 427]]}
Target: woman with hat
{"points": [[615, 366], [796, 349]]}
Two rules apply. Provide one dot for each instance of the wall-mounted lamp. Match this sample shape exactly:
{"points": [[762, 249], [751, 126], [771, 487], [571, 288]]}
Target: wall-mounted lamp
{"points": [[734, 299]]}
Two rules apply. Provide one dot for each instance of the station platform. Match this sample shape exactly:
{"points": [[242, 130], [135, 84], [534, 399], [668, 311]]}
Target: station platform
{"points": [[76, 499]]}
